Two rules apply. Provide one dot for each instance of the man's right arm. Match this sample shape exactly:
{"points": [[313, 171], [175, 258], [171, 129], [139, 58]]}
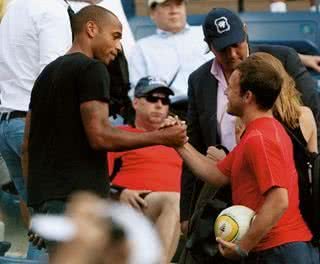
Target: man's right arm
{"points": [[101, 134], [202, 166]]}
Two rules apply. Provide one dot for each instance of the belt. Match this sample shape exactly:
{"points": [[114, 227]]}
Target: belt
{"points": [[11, 115]]}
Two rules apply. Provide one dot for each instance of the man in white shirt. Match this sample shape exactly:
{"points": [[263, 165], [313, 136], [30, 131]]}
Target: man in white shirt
{"points": [[173, 52], [32, 34]]}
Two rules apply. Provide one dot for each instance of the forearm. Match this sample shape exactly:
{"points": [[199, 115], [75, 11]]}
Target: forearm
{"points": [[114, 139], [201, 165], [275, 205]]}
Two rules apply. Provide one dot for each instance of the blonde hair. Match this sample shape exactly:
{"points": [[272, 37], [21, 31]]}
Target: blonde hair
{"points": [[287, 106], [2, 8]]}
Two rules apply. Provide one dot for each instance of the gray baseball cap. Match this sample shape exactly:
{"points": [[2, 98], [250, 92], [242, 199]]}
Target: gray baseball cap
{"points": [[149, 84]]}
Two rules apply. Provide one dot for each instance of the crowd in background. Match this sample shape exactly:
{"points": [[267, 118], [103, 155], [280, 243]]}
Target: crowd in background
{"points": [[65, 66]]}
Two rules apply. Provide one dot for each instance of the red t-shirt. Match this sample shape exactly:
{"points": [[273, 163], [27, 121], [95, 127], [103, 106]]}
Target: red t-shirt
{"points": [[264, 159], [155, 168]]}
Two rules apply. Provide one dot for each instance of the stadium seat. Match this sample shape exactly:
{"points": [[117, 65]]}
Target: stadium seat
{"points": [[299, 30], [12, 260]]}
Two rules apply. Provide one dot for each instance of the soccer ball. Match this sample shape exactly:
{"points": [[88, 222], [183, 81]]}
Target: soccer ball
{"points": [[233, 222]]}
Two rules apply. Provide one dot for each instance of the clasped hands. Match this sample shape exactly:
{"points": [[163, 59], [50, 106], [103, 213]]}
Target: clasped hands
{"points": [[175, 131]]}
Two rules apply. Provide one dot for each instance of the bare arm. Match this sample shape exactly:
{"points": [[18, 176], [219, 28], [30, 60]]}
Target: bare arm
{"points": [[25, 145], [202, 166], [276, 203], [311, 61], [102, 135], [309, 128]]}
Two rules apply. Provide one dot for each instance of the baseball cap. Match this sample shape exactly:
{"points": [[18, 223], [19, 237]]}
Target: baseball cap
{"points": [[152, 2], [148, 84], [223, 28]]}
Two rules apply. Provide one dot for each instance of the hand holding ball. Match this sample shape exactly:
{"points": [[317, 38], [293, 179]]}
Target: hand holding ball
{"points": [[233, 222]]}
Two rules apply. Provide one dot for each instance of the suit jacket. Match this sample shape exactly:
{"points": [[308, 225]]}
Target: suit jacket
{"points": [[202, 93]]}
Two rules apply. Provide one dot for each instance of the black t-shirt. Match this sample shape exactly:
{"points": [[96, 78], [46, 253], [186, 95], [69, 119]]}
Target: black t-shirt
{"points": [[61, 160]]}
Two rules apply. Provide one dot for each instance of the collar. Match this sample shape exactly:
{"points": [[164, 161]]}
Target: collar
{"points": [[163, 33]]}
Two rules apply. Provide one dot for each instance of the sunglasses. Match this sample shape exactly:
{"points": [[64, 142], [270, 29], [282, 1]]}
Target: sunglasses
{"points": [[154, 99]]}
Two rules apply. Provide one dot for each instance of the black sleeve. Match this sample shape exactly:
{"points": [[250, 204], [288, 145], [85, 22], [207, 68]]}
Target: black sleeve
{"points": [[95, 83], [305, 84], [188, 180]]}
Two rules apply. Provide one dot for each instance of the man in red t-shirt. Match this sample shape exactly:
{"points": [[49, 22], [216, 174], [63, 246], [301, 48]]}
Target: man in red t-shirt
{"points": [[148, 178], [261, 172]]}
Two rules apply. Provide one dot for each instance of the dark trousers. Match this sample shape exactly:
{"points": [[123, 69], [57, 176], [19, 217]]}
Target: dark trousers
{"points": [[51, 207], [290, 253]]}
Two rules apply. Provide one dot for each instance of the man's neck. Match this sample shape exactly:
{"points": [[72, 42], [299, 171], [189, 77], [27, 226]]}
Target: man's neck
{"points": [[139, 124], [78, 47], [252, 114]]}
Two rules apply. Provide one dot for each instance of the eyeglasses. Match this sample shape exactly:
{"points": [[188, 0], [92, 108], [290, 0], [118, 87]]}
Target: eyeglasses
{"points": [[154, 99]]}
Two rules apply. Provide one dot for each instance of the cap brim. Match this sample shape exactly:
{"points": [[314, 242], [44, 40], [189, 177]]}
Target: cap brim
{"points": [[226, 41], [151, 2], [154, 87]]}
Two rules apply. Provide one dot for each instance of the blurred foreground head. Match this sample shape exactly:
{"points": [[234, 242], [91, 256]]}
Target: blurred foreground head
{"points": [[94, 231]]}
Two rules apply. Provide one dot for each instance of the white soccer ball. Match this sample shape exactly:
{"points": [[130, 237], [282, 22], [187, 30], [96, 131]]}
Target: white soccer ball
{"points": [[233, 222]]}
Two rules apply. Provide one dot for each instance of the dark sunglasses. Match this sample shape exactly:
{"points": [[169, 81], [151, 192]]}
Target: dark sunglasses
{"points": [[154, 99]]}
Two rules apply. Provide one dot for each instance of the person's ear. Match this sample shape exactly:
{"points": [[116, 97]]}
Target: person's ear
{"points": [[91, 29], [135, 103], [245, 28], [248, 97]]}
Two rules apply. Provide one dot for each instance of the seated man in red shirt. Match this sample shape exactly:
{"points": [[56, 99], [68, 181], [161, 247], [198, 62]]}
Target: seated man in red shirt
{"points": [[149, 177]]}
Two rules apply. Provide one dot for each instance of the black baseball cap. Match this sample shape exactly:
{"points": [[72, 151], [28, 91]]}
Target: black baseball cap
{"points": [[148, 84], [223, 28]]}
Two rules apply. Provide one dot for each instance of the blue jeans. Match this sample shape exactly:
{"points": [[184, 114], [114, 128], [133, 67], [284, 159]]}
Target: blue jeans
{"points": [[290, 253], [11, 139]]}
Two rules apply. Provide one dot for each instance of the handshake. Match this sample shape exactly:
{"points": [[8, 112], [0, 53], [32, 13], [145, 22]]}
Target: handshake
{"points": [[173, 132]]}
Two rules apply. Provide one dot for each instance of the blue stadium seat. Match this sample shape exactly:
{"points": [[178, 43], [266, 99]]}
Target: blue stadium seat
{"points": [[143, 26], [299, 30], [12, 260]]}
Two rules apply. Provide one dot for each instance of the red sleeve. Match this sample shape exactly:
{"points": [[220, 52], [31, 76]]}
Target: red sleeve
{"points": [[112, 156], [267, 162], [225, 165]]}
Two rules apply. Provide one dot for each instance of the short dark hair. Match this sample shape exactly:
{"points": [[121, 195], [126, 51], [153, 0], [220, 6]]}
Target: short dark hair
{"points": [[262, 79], [94, 13]]}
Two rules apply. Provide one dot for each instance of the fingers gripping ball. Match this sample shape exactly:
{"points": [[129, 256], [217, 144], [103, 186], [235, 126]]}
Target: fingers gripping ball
{"points": [[233, 222]]}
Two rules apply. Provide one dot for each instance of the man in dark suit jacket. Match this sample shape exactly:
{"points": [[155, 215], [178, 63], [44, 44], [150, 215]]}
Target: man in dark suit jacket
{"points": [[226, 37]]}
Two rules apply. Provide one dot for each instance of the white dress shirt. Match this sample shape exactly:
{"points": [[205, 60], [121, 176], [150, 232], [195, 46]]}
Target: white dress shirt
{"points": [[32, 34], [225, 122], [164, 54], [114, 6]]}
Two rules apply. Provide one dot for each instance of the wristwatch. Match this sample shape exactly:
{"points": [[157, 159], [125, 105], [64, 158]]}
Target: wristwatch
{"points": [[242, 253]]}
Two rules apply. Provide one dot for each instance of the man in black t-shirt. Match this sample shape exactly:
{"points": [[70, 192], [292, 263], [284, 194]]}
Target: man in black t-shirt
{"points": [[67, 129]]}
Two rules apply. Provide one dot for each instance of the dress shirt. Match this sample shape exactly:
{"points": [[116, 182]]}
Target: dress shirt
{"points": [[165, 53], [32, 34], [226, 122]]}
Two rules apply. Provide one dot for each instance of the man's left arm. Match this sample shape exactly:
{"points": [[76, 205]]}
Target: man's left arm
{"points": [[276, 203]]}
